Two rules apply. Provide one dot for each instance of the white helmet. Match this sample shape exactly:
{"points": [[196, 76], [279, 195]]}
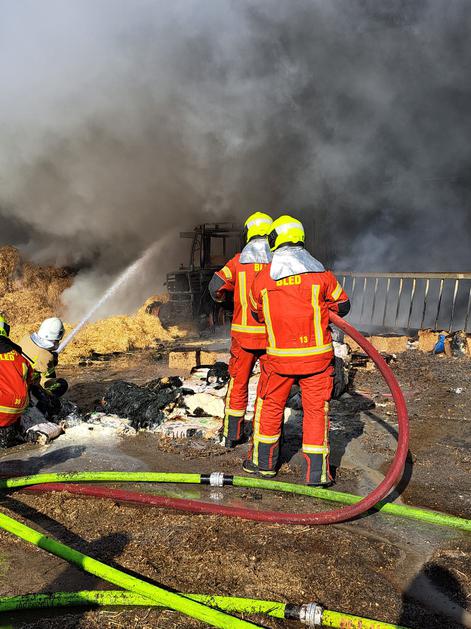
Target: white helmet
{"points": [[51, 329]]}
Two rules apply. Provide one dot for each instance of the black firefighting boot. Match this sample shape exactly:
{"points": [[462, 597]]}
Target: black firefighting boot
{"points": [[250, 467], [266, 455]]}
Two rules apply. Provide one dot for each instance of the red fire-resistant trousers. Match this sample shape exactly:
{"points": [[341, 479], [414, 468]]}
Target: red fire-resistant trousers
{"points": [[272, 394], [241, 366]]}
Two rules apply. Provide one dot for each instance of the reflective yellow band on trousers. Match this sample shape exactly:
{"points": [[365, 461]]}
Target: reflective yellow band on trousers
{"points": [[234, 413], [256, 429], [326, 442], [228, 401], [267, 438], [316, 449]]}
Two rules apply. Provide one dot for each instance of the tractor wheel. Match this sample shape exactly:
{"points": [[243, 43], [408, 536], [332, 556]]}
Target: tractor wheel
{"points": [[166, 314]]}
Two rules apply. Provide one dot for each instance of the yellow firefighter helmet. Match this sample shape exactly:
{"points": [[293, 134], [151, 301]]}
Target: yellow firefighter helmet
{"points": [[284, 230], [258, 224]]}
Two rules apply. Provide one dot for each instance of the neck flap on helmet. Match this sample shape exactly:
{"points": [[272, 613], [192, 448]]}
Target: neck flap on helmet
{"points": [[256, 250], [293, 261]]}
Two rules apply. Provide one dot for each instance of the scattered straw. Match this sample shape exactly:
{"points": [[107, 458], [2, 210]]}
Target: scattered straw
{"points": [[115, 334]]}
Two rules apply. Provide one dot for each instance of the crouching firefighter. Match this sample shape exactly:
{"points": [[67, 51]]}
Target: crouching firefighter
{"points": [[15, 377], [41, 348], [293, 297], [248, 336]]}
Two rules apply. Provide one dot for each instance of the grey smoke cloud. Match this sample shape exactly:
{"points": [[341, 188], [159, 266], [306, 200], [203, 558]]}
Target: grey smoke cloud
{"points": [[125, 121]]}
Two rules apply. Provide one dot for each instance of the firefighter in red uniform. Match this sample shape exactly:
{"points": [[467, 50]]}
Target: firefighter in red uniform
{"points": [[293, 296], [15, 378], [248, 336]]}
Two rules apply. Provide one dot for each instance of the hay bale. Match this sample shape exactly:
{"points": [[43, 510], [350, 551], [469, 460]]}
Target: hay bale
{"points": [[30, 292], [184, 359], [427, 340], [390, 344], [113, 335], [210, 358], [385, 344], [353, 345]]}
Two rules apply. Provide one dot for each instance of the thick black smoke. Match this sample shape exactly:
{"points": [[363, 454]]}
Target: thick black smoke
{"points": [[124, 121]]}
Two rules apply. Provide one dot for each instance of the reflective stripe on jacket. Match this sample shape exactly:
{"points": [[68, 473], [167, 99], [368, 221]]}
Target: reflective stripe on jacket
{"points": [[238, 278], [295, 310]]}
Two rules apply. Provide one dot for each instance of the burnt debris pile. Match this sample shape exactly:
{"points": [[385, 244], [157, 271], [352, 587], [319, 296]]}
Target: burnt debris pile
{"points": [[143, 405]]}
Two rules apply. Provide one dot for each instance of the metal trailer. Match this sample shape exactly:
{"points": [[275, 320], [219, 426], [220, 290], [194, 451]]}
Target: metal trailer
{"points": [[386, 302]]}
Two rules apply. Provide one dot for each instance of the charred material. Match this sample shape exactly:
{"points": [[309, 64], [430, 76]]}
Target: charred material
{"points": [[44, 420], [10, 436], [142, 405], [218, 374]]}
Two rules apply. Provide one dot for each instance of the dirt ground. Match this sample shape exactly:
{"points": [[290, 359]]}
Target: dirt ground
{"points": [[386, 568]]}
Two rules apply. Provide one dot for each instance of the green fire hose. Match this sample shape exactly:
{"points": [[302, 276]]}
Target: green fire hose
{"points": [[229, 604], [404, 511], [118, 597], [424, 515], [210, 609], [192, 608], [141, 593], [198, 606]]}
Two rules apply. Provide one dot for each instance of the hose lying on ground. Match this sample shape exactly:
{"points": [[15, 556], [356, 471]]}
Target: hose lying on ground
{"points": [[62, 482], [212, 617], [312, 615]]}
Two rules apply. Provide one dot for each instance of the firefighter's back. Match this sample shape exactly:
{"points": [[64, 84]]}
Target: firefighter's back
{"points": [[297, 320]]}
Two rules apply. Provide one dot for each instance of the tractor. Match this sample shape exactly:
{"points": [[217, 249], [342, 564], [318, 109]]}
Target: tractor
{"points": [[188, 294]]}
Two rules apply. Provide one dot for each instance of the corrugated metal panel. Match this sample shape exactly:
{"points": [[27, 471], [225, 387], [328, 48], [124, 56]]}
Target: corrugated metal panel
{"points": [[409, 301]]}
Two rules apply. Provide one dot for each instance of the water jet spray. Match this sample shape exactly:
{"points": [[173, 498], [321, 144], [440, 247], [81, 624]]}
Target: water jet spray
{"points": [[120, 280]]}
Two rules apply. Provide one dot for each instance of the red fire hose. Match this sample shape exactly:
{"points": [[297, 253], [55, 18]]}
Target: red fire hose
{"points": [[324, 517]]}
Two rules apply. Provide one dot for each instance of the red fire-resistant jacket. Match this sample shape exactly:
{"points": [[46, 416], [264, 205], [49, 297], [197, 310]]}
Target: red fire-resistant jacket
{"points": [[238, 278], [296, 313], [15, 378]]}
